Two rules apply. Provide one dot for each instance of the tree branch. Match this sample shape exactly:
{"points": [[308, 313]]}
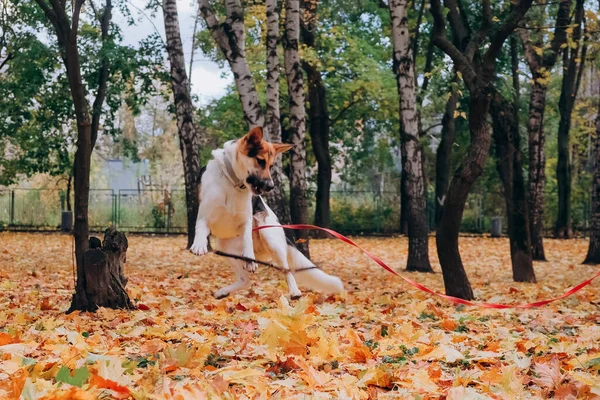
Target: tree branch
{"points": [[9, 57], [532, 58], [103, 72], [461, 63], [560, 32], [460, 26], [215, 27], [505, 30], [356, 100]]}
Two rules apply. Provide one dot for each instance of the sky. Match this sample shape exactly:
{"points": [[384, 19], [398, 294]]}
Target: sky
{"points": [[208, 80]]}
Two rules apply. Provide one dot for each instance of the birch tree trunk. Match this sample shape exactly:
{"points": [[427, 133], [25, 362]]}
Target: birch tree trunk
{"points": [[298, 184], [230, 38], [418, 240], [276, 198], [540, 66], [189, 138], [318, 121], [593, 255]]}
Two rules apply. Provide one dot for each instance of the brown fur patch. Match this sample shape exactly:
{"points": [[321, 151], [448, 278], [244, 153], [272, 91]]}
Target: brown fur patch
{"points": [[252, 145]]}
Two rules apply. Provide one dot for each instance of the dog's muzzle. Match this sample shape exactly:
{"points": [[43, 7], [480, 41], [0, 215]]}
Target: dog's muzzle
{"points": [[258, 185]]}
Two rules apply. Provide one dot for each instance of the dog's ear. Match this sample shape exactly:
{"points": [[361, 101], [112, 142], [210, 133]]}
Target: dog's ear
{"points": [[282, 147], [255, 136]]}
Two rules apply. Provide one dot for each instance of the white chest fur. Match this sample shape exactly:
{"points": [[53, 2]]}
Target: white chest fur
{"points": [[225, 208]]}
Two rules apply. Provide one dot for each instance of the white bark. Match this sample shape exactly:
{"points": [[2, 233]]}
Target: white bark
{"points": [[404, 67], [229, 37], [293, 70]]}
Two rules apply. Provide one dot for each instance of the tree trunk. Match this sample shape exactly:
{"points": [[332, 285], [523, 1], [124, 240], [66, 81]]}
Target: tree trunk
{"points": [[444, 151], [318, 121], [568, 94], [593, 255], [298, 184], [478, 71], [510, 167], [230, 38], [540, 66], [276, 198], [69, 185], [105, 278], [418, 252], [537, 165], [455, 278], [189, 138]]}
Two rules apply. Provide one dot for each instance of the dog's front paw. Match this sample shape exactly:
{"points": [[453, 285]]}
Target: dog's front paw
{"points": [[221, 294], [250, 266], [199, 247]]}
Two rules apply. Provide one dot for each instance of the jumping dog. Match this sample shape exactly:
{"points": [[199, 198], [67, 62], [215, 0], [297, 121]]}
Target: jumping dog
{"points": [[231, 206]]}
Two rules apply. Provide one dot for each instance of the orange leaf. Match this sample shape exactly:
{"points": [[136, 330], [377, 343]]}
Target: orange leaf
{"points": [[100, 382], [5, 338], [448, 324], [46, 306]]}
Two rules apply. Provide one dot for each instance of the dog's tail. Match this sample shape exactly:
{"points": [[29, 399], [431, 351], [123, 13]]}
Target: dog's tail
{"points": [[314, 278]]}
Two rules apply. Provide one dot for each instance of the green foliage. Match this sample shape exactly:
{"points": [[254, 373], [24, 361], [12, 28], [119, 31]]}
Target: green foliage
{"points": [[38, 130]]}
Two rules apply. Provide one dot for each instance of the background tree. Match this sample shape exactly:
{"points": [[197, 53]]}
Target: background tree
{"points": [[477, 73], [593, 254], [102, 44], [66, 30], [276, 198], [297, 126], [573, 62], [414, 190], [541, 60], [189, 136], [318, 117]]}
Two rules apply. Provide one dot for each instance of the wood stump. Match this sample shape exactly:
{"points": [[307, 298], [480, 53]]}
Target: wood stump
{"points": [[103, 283]]}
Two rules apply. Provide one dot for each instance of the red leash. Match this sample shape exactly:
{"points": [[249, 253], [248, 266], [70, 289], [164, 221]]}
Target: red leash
{"points": [[425, 289]]}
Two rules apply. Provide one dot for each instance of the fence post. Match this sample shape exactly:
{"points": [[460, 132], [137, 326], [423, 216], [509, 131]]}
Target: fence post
{"points": [[12, 208], [168, 216], [119, 208]]}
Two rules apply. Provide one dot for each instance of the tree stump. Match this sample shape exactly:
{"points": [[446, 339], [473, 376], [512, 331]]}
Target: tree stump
{"points": [[104, 280]]}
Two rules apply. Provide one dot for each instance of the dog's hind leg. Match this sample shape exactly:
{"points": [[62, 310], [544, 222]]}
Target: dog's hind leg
{"points": [[274, 241], [233, 246]]}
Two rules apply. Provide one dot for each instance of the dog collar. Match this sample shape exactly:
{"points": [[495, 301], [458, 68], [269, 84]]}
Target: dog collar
{"points": [[231, 175]]}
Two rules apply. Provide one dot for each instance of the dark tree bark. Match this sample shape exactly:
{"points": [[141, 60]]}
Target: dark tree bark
{"points": [[189, 137], [477, 73], [444, 151], [593, 255], [540, 66], [568, 94], [509, 160], [276, 198], [318, 121], [66, 30], [229, 36], [297, 127], [105, 278], [404, 68]]}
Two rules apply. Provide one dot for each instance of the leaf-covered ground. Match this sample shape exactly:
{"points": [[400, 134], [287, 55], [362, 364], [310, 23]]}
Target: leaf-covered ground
{"points": [[381, 339]]}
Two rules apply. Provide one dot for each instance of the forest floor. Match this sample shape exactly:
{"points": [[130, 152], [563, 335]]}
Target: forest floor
{"points": [[380, 339]]}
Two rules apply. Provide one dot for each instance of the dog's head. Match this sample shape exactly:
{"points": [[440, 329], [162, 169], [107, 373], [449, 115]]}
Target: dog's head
{"points": [[257, 156]]}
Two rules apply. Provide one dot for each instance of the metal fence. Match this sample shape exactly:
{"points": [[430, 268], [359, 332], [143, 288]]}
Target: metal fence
{"points": [[157, 211]]}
